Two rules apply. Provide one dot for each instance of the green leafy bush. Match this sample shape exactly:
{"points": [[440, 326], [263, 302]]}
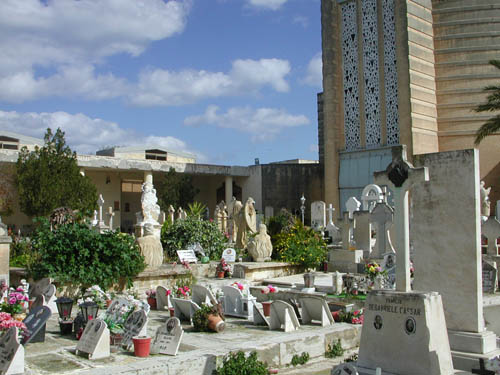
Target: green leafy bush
{"points": [[181, 233], [22, 254], [301, 359], [239, 364], [77, 254], [301, 245], [200, 317], [334, 350], [282, 222]]}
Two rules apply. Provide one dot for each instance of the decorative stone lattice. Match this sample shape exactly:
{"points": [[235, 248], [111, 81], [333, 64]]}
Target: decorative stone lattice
{"points": [[350, 66], [390, 71], [370, 72]]}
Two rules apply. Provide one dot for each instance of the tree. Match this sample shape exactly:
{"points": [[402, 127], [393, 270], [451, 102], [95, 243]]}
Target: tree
{"points": [[175, 189], [492, 104], [49, 177]]}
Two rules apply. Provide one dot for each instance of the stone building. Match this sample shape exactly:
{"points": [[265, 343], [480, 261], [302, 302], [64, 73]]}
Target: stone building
{"points": [[119, 172], [404, 72]]}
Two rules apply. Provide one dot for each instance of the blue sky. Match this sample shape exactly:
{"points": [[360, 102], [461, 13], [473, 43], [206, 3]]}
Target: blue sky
{"points": [[226, 80]]}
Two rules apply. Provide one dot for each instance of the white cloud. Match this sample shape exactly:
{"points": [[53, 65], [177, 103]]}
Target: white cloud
{"points": [[267, 4], [261, 123], [164, 88], [84, 134], [301, 20], [64, 36], [314, 76]]}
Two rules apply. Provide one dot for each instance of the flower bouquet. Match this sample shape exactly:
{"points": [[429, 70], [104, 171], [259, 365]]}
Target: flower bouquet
{"points": [[7, 321], [16, 302], [223, 269], [183, 292], [151, 297], [372, 270], [352, 317], [97, 295], [266, 305]]}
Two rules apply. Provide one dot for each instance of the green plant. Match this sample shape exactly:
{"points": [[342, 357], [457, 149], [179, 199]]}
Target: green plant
{"points": [[352, 358], [49, 177], [282, 222], [74, 253], [301, 359], [196, 210], [492, 104], [175, 189], [200, 317], [301, 245], [239, 364], [334, 350], [181, 233], [22, 254]]}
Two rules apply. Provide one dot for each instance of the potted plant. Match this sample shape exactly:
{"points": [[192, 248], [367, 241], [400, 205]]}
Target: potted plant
{"points": [[223, 269], [151, 297], [14, 304], [183, 292], [209, 318], [142, 345], [266, 305], [7, 321]]}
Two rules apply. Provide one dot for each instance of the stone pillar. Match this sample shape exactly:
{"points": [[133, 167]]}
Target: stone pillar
{"points": [[5, 241], [148, 176], [229, 188]]}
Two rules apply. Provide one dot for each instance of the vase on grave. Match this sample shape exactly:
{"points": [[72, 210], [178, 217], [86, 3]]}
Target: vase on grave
{"points": [[216, 323], [309, 279], [152, 303], [142, 345], [266, 306]]}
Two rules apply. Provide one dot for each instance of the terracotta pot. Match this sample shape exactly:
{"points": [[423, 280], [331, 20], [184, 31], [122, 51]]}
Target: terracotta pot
{"points": [[108, 302], [172, 312], [220, 275], [215, 323], [266, 306], [30, 302], [142, 344], [152, 303]]}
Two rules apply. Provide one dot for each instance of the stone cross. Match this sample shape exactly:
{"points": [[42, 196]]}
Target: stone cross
{"points": [[352, 205], [94, 219], [179, 213], [400, 176], [100, 203], [371, 195], [491, 230], [382, 216], [330, 210], [348, 226], [111, 214], [171, 214]]}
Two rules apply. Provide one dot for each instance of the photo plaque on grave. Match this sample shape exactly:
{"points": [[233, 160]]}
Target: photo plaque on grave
{"points": [[11, 353], [168, 337], [133, 326], [94, 342], [35, 324]]}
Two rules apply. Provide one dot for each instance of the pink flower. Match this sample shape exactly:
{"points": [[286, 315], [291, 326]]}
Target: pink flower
{"points": [[169, 292], [272, 289], [12, 300], [5, 316], [265, 290]]}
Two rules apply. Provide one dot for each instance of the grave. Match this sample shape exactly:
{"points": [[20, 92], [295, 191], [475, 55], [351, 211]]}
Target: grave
{"points": [[184, 308], [168, 337], [315, 309], [187, 256], [135, 325], [490, 229], [5, 241], [283, 317], [318, 216], [389, 265], [94, 342], [363, 232], [35, 324], [382, 216], [352, 205], [202, 294], [114, 311], [49, 292], [331, 231], [162, 299], [447, 250], [229, 255], [490, 277], [236, 304], [371, 195], [346, 259], [259, 319], [403, 332], [11, 353]]}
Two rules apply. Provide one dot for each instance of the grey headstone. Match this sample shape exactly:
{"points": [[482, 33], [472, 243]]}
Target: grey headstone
{"points": [[94, 341], [162, 298], [11, 353], [35, 324], [168, 337], [283, 317], [315, 308], [490, 277], [133, 327]]}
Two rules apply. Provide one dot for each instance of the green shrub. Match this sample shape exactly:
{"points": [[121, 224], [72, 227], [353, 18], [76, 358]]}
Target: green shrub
{"points": [[282, 222], [301, 245], [22, 254], [334, 350], [77, 254], [301, 359], [239, 364], [181, 233], [200, 317]]}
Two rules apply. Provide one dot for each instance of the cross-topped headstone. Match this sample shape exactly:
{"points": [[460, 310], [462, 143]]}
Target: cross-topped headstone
{"points": [[330, 210], [491, 230], [100, 203], [348, 226], [331, 228], [111, 214], [171, 213], [382, 216], [352, 205], [400, 176], [370, 196]]}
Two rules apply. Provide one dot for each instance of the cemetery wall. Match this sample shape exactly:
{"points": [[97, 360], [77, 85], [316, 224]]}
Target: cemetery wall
{"points": [[283, 185]]}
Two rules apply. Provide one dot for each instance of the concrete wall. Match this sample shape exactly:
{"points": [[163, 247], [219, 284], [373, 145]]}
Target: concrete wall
{"points": [[283, 185]]}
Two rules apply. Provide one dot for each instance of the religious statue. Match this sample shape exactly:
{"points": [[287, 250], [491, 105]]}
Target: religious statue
{"points": [[485, 201], [150, 207], [151, 247], [234, 215], [247, 223], [260, 247]]}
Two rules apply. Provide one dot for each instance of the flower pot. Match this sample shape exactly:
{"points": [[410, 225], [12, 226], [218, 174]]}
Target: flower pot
{"points": [[266, 305], [30, 302], [205, 260], [220, 275], [142, 345], [152, 303], [115, 341], [66, 327], [309, 280], [215, 323], [172, 311], [108, 302]]}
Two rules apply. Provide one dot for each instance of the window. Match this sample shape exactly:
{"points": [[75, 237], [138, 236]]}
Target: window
{"points": [[9, 143], [131, 186], [156, 155]]}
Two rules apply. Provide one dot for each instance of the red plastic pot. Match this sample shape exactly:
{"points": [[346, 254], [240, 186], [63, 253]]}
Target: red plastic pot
{"points": [[172, 311], [266, 306], [152, 303], [142, 344]]}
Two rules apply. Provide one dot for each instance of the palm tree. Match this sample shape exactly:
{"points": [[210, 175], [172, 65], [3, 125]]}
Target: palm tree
{"points": [[492, 104]]}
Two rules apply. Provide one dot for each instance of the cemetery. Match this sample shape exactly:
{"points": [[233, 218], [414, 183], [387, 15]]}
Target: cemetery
{"points": [[387, 264]]}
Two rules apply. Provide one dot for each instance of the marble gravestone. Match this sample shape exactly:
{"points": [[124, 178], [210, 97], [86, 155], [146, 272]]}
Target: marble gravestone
{"points": [[347, 259], [135, 325], [114, 312], [283, 317], [236, 304], [455, 269], [11, 353], [94, 342], [331, 229], [363, 232], [168, 338], [315, 309], [382, 216], [404, 332], [490, 277], [371, 195], [162, 299], [49, 292], [184, 308], [352, 205], [491, 230], [35, 324], [229, 255], [318, 215], [201, 294]]}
